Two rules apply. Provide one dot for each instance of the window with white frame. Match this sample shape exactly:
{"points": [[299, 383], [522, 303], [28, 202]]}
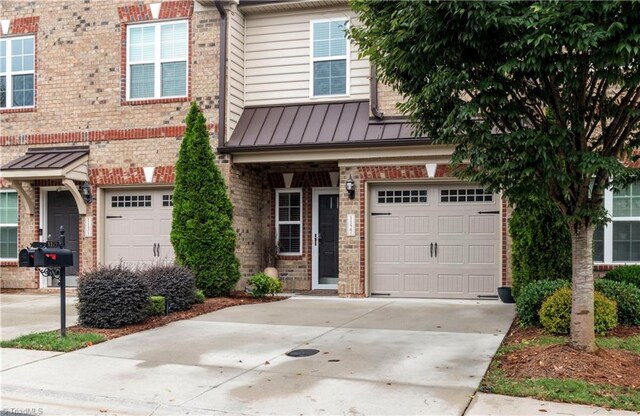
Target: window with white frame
{"points": [[289, 221], [8, 225], [619, 240], [17, 72], [157, 56], [330, 58]]}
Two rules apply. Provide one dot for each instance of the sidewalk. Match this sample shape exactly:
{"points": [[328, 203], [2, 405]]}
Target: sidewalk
{"points": [[494, 404], [25, 313]]}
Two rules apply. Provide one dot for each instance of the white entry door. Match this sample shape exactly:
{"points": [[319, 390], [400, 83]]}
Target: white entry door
{"points": [[138, 226], [436, 241]]}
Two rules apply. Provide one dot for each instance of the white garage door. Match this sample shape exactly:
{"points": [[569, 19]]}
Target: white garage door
{"points": [[138, 226], [435, 241]]}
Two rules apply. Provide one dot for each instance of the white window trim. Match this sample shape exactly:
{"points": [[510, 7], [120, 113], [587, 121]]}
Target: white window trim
{"points": [[608, 231], [5, 191], [9, 73], [278, 222], [346, 57], [157, 61]]}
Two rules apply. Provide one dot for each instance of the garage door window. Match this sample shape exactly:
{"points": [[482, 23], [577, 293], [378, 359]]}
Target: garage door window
{"points": [[289, 221], [167, 200], [465, 195], [403, 196], [130, 201]]}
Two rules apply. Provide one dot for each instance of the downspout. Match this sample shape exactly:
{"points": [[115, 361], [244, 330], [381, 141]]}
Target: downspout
{"points": [[373, 91], [222, 84]]}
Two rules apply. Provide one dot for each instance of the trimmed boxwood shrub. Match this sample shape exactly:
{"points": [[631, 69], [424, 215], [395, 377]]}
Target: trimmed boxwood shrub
{"points": [[175, 283], [262, 285], [111, 297], [158, 305], [626, 295], [629, 274], [555, 313], [541, 244], [200, 297], [530, 300]]}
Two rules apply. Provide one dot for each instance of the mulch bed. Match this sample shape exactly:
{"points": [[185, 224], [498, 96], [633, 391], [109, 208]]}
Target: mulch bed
{"points": [[605, 366], [209, 305]]}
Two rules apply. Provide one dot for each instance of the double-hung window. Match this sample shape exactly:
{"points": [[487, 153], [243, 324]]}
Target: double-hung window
{"points": [[8, 225], [157, 56], [289, 221], [619, 240], [330, 58], [17, 72]]}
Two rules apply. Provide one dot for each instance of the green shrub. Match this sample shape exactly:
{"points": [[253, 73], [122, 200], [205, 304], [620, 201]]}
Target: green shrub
{"points": [[555, 313], [200, 298], [111, 297], [531, 297], [175, 283], [202, 234], [626, 295], [261, 285], [157, 305], [541, 241], [629, 274]]}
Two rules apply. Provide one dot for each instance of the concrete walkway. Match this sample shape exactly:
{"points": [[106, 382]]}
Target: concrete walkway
{"points": [[376, 356], [21, 314]]}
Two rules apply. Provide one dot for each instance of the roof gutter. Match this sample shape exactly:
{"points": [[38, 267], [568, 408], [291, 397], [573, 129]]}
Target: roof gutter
{"points": [[373, 91], [222, 85]]}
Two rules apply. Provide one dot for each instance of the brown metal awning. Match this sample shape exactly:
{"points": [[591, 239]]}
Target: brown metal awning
{"points": [[316, 125], [68, 164]]}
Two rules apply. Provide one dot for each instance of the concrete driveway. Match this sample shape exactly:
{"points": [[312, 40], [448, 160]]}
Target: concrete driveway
{"points": [[23, 313], [376, 356]]}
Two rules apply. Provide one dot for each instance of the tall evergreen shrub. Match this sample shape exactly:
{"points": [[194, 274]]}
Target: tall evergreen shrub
{"points": [[541, 244], [201, 231]]}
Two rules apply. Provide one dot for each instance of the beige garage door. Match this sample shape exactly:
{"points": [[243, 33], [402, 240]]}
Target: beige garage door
{"points": [[435, 241], [138, 225]]}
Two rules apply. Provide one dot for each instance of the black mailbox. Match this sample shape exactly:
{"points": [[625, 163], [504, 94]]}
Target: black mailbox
{"points": [[52, 257], [25, 257]]}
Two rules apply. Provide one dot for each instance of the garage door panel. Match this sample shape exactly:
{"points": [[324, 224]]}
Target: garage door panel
{"points": [[482, 254], [416, 254], [468, 243], [451, 224], [415, 225], [450, 254], [482, 224], [482, 284]]}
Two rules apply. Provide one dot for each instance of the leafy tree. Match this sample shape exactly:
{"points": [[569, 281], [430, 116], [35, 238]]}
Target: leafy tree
{"points": [[201, 231], [538, 97]]}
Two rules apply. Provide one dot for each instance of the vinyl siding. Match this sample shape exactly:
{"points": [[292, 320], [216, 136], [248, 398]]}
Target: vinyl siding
{"points": [[277, 58], [236, 69]]}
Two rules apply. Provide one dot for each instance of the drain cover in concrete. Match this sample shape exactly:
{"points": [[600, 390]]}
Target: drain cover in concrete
{"points": [[302, 353]]}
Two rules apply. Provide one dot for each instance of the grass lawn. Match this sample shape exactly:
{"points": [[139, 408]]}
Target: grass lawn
{"points": [[563, 390], [52, 341]]}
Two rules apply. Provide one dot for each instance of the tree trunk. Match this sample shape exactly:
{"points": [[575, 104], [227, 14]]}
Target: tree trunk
{"points": [[582, 309]]}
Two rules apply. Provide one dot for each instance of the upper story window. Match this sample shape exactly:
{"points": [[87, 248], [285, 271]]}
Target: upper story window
{"points": [[17, 72], [8, 225], [157, 56], [330, 58], [619, 240]]}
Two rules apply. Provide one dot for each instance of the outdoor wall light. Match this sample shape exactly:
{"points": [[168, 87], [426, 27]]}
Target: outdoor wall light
{"points": [[85, 190], [350, 186]]}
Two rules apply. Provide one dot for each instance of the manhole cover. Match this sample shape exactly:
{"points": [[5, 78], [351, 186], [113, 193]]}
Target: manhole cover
{"points": [[302, 353]]}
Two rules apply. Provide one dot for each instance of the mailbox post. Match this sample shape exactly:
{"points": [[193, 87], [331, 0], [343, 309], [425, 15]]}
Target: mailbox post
{"points": [[52, 259]]}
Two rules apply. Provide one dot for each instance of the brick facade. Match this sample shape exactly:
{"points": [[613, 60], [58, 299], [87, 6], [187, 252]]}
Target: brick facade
{"points": [[80, 76]]}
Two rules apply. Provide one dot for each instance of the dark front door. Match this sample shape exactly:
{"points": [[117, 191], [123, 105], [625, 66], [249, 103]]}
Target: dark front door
{"points": [[62, 210], [328, 239]]}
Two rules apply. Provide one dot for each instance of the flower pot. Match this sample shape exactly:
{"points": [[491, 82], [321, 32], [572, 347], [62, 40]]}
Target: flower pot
{"points": [[271, 272], [504, 293]]}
